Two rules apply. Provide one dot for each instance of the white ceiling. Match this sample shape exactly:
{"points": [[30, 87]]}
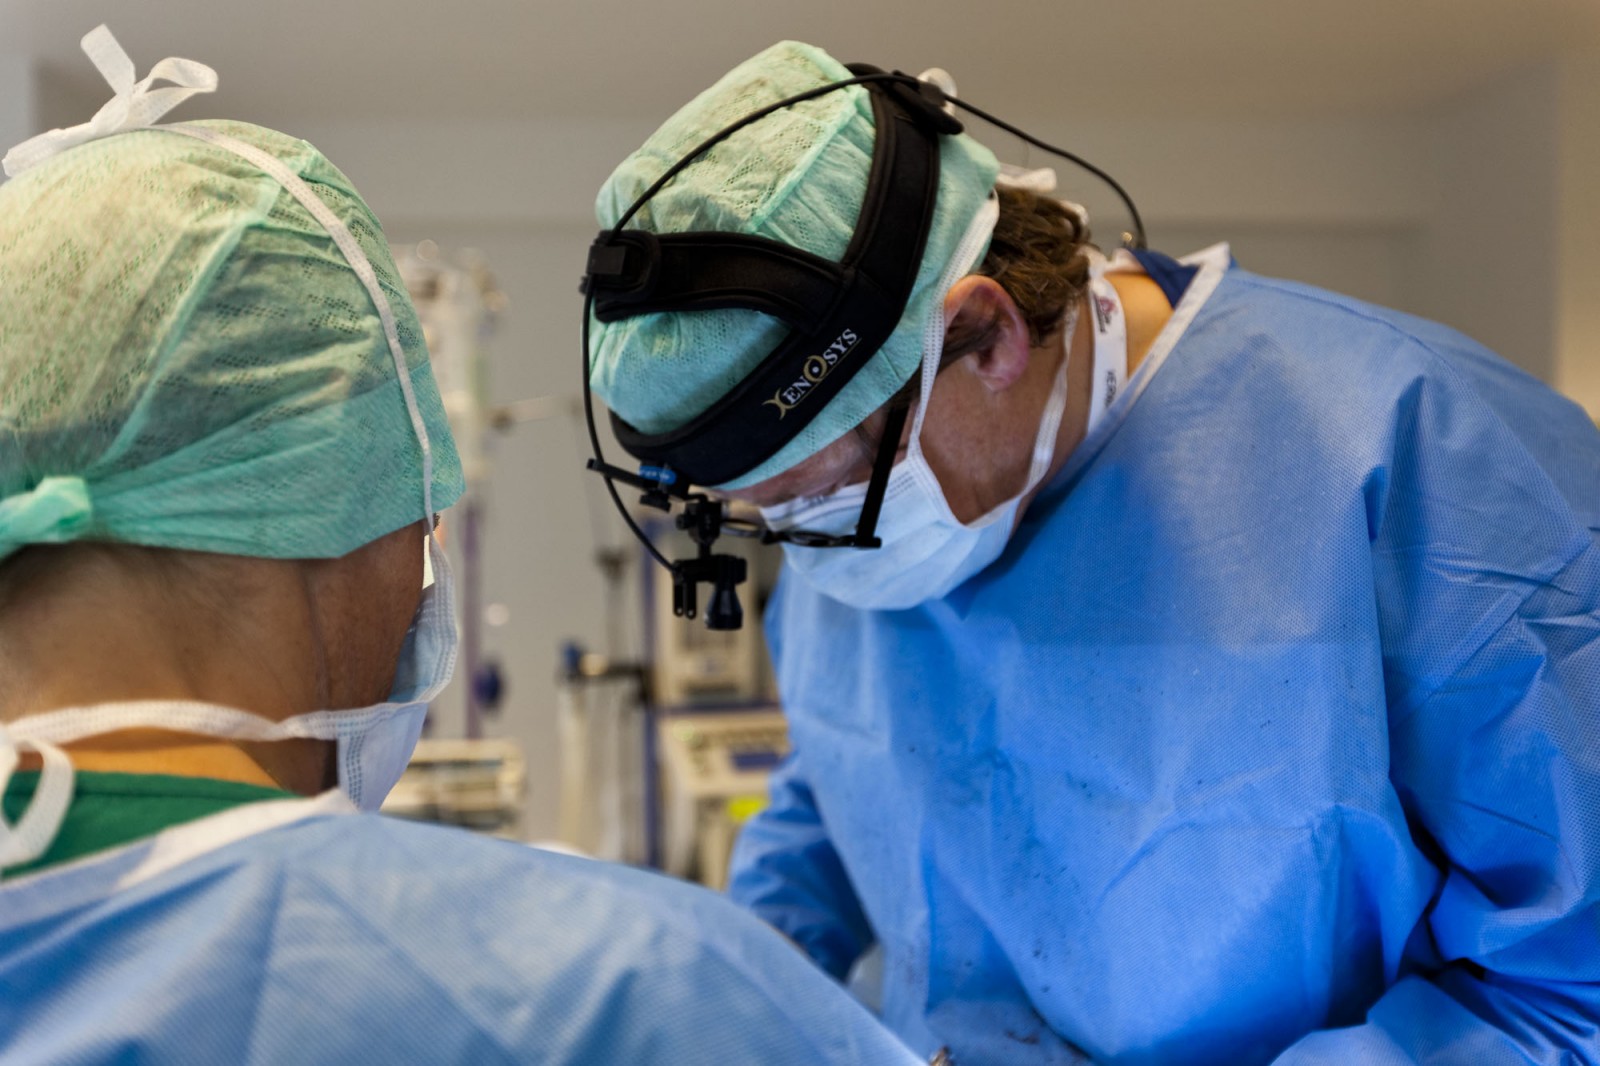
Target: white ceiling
{"points": [[282, 60]]}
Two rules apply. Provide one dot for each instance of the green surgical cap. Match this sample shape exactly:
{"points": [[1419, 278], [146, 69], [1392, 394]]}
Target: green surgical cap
{"points": [[188, 361], [797, 176]]}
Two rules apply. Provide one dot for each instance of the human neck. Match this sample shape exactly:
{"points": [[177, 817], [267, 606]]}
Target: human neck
{"points": [[102, 629], [1146, 310], [154, 751]]}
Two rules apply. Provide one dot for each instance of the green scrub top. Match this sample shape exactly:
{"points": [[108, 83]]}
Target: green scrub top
{"points": [[109, 810]]}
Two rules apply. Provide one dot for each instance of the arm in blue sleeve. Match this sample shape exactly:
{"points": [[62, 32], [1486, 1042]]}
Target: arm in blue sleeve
{"points": [[1504, 783], [1489, 588], [786, 871]]}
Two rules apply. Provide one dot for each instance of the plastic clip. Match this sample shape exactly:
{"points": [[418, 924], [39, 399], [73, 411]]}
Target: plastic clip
{"points": [[623, 267]]}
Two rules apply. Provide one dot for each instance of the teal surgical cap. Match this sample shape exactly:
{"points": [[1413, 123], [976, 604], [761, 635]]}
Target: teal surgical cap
{"points": [[187, 359], [797, 176]]}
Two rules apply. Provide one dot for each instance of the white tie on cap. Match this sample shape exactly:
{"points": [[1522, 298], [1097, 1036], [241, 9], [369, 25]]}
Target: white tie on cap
{"points": [[1039, 180], [135, 106]]}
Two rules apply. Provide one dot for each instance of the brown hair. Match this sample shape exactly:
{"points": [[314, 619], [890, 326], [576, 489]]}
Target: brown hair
{"points": [[1038, 255]]}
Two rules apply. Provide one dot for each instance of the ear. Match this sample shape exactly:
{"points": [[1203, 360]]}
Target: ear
{"points": [[980, 304]]}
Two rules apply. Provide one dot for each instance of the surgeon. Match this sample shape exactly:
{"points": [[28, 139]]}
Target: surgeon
{"points": [[221, 451], [1225, 684]]}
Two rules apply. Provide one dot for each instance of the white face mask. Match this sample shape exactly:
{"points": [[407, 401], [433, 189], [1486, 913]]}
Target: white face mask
{"points": [[927, 552], [373, 744]]}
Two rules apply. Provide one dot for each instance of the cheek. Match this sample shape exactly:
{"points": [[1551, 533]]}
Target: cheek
{"points": [[403, 610], [404, 593], [958, 447], [394, 591], [948, 403], [391, 606], [847, 461]]}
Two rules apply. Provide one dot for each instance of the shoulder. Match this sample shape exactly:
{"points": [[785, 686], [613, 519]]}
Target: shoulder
{"points": [[634, 964], [1334, 357], [560, 901], [1303, 318], [1359, 336]]}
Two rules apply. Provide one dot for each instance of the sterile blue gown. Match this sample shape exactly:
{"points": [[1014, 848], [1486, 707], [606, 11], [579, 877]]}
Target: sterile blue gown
{"points": [[357, 939], [1273, 736]]}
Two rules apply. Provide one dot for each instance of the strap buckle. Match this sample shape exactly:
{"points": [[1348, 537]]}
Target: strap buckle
{"points": [[625, 265]]}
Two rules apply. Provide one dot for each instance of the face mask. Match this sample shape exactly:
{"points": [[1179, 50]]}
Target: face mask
{"points": [[927, 552], [371, 759]]}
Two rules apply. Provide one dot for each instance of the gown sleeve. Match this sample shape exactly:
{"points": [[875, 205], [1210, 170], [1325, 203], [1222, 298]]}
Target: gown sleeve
{"points": [[1487, 564], [786, 871]]}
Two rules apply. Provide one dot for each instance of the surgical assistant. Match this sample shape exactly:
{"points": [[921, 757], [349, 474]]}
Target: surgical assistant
{"points": [[222, 451], [1268, 732]]}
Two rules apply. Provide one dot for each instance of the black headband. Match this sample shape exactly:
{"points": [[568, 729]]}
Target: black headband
{"points": [[838, 314]]}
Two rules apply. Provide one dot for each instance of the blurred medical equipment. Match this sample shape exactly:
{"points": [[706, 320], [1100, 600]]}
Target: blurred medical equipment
{"points": [[716, 730], [458, 305], [477, 784], [472, 781], [664, 756], [714, 770], [600, 707]]}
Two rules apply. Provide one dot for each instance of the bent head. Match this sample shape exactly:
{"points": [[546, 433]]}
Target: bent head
{"points": [[991, 344], [203, 420]]}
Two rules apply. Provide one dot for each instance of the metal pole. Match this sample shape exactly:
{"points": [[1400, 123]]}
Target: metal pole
{"points": [[472, 614]]}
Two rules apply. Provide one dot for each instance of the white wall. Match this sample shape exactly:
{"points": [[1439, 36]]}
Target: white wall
{"points": [[1577, 371], [1489, 261], [544, 172], [1207, 172], [17, 118]]}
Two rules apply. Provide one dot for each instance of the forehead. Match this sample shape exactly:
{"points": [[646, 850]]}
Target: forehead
{"points": [[822, 472]]}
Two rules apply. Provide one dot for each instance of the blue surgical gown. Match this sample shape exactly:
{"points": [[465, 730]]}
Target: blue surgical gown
{"points": [[1274, 735], [358, 939]]}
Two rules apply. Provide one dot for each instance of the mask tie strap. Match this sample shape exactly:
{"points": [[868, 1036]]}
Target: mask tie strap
{"points": [[33, 833]]}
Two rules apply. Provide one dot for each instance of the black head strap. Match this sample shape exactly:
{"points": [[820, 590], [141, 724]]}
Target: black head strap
{"points": [[710, 272], [838, 314]]}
